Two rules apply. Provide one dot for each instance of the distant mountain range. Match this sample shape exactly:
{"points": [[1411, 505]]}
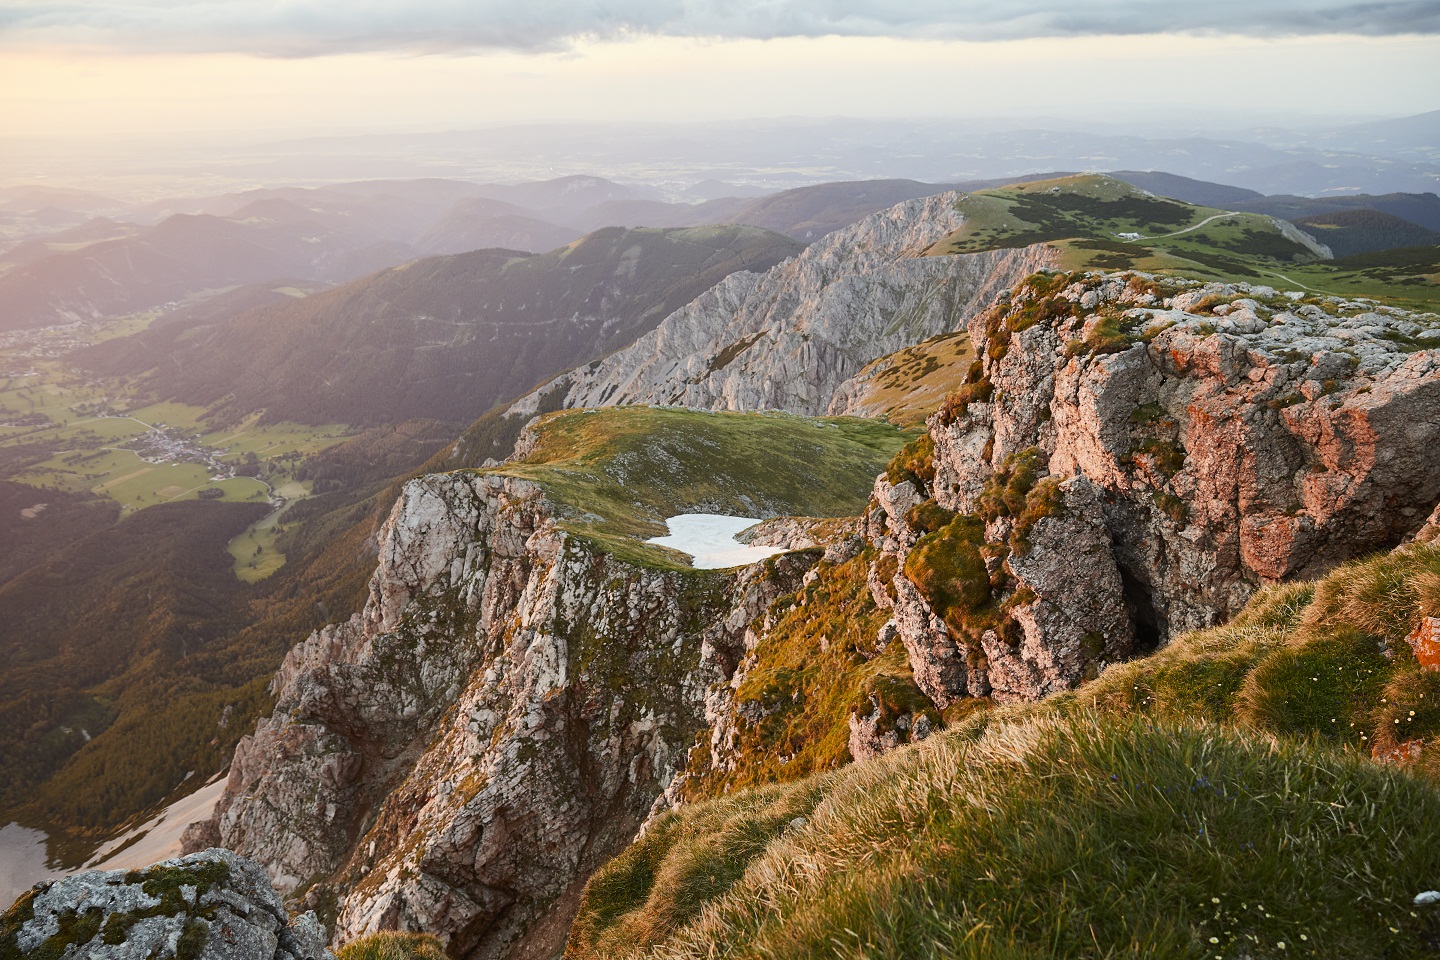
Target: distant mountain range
{"points": [[442, 337], [175, 251]]}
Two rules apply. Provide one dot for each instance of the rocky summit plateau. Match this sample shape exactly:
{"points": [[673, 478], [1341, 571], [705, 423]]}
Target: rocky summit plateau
{"points": [[1155, 571]]}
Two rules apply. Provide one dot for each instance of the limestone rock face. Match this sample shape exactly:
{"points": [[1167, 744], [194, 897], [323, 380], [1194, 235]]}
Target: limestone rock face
{"points": [[1210, 439], [1068, 603], [1430, 532], [869, 737], [354, 697], [840, 538], [788, 338], [210, 905], [499, 720]]}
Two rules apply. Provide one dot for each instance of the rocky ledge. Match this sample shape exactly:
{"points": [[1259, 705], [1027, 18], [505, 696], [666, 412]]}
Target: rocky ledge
{"points": [[210, 905]]}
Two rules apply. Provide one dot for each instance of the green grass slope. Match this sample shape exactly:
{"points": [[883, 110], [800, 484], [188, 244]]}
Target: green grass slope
{"points": [[1216, 799], [616, 473], [1099, 223], [907, 386]]}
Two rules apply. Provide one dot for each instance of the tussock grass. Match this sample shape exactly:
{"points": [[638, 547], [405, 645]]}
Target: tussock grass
{"points": [[1210, 800], [1060, 836], [815, 666], [393, 946]]}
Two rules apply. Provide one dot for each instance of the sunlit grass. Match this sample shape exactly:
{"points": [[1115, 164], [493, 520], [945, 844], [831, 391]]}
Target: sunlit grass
{"points": [[1215, 799], [256, 551]]}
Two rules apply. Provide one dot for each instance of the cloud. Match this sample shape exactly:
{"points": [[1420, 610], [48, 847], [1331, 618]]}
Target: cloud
{"points": [[315, 27]]}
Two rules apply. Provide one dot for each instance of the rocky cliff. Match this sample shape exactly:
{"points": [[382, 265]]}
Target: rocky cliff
{"points": [[1131, 459], [495, 725], [1127, 459], [787, 338]]}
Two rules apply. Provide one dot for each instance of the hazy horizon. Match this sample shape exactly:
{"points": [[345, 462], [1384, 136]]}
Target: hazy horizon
{"points": [[88, 84]]}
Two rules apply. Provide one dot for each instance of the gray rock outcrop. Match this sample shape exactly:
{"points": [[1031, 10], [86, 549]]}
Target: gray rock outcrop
{"points": [[1210, 439], [211, 905]]}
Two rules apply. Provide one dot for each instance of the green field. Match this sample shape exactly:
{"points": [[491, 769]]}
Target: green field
{"points": [[78, 433], [256, 551], [618, 472]]}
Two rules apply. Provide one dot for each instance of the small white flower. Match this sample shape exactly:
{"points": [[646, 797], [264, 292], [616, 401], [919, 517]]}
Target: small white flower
{"points": [[1427, 898]]}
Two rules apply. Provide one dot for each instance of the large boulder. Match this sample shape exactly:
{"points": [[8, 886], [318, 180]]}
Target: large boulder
{"points": [[211, 905]]}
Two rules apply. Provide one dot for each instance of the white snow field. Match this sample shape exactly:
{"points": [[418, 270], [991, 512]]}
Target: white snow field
{"points": [[158, 839], [709, 538]]}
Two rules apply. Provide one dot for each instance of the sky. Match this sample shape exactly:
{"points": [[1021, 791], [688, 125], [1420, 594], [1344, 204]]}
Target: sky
{"points": [[97, 68]]}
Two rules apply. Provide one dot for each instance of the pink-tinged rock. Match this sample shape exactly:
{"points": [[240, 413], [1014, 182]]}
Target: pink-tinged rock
{"points": [[1398, 754], [1264, 443], [1425, 641]]}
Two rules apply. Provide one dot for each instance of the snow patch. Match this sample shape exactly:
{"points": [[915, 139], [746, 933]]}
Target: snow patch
{"points": [[158, 839], [709, 539]]}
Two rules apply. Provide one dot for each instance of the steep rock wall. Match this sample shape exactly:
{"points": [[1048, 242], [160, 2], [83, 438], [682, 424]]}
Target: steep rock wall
{"points": [[495, 725]]}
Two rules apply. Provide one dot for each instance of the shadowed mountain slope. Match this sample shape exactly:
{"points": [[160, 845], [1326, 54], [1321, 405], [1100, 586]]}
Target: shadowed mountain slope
{"points": [[445, 337]]}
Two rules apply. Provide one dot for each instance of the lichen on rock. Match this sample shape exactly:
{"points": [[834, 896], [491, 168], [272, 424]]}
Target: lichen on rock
{"points": [[211, 905]]}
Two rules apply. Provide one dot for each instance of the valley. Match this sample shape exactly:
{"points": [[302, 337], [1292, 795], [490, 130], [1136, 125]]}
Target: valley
{"points": [[66, 429], [720, 481]]}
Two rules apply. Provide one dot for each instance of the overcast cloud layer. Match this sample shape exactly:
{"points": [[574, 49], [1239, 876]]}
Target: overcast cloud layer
{"points": [[317, 27]]}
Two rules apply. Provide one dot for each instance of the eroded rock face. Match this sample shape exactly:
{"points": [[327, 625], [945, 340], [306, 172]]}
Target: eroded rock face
{"points": [[354, 697], [458, 758], [1211, 439], [211, 905], [870, 737], [1068, 602], [788, 338]]}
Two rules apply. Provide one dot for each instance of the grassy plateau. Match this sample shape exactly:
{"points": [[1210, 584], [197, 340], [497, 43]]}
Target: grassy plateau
{"points": [[617, 473], [1098, 223]]}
